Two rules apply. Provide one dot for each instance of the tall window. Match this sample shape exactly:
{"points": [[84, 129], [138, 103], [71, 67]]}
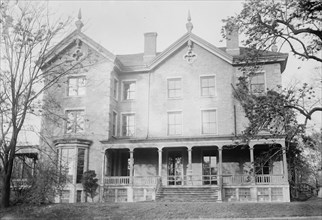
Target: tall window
{"points": [[207, 85], [257, 83], [115, 88], [75, 121], [174, 123], [73, 163], [208, 122], [114, 124], [128, 90], [174, 88], [128, 125], [76, 86], [80, 165], [68, 158]]}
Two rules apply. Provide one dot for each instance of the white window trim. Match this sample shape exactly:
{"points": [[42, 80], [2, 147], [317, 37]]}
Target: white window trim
{"points": [[65, 123], [117, 89], [173, 111], [167, 85], [126, 113], [265, 82], [208, 109], [116, 125], [67, 88], [122, 92], [214, 75]]}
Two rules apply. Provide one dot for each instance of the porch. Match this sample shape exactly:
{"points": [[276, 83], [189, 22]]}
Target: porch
{"points": [[147, 169]]}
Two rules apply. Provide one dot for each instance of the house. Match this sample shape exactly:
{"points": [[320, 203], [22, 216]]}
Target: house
{"points": [[162, 125]]}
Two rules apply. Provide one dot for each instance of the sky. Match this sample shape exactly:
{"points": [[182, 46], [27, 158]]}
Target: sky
{"points": [[119, 26]]}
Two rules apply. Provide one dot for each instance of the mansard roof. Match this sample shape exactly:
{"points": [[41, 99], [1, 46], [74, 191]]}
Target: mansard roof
{"points": [[135, 63]]}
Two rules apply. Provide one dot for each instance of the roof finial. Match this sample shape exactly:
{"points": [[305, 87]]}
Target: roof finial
{"points": [[189, 25], [79, 24]]}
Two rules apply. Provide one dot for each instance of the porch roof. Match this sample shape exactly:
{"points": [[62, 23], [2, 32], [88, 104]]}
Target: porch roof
{"points": [[161, 142]]}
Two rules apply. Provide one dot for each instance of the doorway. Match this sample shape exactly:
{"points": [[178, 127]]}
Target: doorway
{"points": [[209, 168], [175, 168]]}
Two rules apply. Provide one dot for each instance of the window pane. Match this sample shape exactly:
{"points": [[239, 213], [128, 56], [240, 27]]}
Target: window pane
{"points": [[257, 84], [81, 85], [115, 88], [80, 165], [75, 121], [128, 90], [72, 86], [207, 85], [114, 124], [174, 88], [128, 125], [174, 123], [209, 122], [68, 162]]}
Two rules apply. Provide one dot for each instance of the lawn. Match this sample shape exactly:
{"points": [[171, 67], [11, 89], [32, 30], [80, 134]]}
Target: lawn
{"points": [[156, 210]]}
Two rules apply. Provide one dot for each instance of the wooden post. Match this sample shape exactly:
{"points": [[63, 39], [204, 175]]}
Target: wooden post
{"points": [[220, 179], [285, 171], [251, 150], [189, 173], [160, 162]]}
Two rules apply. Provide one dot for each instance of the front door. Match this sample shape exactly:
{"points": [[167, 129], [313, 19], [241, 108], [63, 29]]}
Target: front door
{"points": [[209, 169], [175, 168]]}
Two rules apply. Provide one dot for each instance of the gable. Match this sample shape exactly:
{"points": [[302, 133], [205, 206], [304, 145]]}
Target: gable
{"points": [[70, 43]]}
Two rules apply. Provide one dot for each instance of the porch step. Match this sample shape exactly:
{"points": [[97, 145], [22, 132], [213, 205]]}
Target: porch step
{"points": [[187, 194]]}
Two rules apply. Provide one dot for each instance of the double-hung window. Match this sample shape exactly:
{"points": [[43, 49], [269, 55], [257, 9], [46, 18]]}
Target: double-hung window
{"points": [[174, 123], [128, 125], [115, 88], [76, 86], [75, 121], [208, 122], [207, 85], [129, 88], [257, 83], [174, 88], [114, 124]]}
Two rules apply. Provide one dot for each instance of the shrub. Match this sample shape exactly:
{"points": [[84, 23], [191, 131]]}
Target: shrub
{"points": [[89, 182]]}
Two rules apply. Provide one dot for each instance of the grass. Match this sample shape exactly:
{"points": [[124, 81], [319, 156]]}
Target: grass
{"points": [[156, 210]]}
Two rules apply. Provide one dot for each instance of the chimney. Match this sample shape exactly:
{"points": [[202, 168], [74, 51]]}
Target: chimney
{"points": [[150, 46], [232, 41]]}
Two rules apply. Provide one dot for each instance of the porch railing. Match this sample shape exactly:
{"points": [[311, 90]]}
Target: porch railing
{"points": [[257, 179], [192, 180], [270, 179], [197, 180], [134, 180]]}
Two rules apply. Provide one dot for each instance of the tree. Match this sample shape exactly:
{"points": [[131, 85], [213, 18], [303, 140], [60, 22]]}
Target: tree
{"points": [[89, 182], [26, 39], [267, 24]]}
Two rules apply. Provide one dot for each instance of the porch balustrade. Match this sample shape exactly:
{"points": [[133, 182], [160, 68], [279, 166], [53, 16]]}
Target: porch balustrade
{"points": [[270, 179], [195, 180], [192, 180], [248, 179], [134, 180]]}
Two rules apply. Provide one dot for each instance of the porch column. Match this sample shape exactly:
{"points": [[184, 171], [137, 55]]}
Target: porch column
{"points": [[131, 163], [103, 175], [285, 164], [190, 160], [160, 162], [220, 179], [252, 165]]}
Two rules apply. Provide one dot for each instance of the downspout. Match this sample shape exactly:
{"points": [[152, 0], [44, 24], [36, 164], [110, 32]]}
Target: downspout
{"points": [[148, 119]]}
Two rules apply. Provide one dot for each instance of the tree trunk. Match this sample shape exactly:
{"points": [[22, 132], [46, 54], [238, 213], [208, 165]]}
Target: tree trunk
{"points": [[5, 198]]}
